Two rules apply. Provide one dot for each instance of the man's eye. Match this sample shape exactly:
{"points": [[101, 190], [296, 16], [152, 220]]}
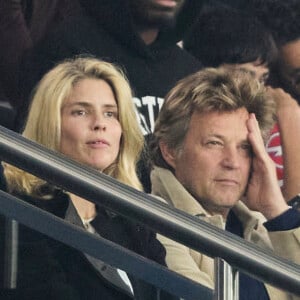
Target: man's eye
{"points": [[214, 143], [247, 148]]}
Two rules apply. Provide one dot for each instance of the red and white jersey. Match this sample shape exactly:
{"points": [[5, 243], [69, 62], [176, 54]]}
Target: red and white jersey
{"points": [[274, 149]]}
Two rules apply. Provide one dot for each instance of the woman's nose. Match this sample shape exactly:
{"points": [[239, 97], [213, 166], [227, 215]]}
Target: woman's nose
{"points": [[99, 123]]}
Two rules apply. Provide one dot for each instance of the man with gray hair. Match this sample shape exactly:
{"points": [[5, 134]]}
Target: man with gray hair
{"points": [[210, 161]]}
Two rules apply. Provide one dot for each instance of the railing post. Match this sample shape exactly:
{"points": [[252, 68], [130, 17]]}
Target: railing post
{"points": [[11, 254], [226, 281]]}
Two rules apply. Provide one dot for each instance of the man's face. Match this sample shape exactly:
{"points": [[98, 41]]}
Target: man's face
{"points": [[290, 65], [215, 159], [155, 13]]}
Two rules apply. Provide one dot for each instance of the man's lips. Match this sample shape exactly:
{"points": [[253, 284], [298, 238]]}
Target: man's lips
{"points": [[225, 181]]}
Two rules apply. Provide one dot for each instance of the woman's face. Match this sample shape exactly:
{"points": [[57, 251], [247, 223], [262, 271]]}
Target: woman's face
{"points": [[90, 127], [290, 65]]}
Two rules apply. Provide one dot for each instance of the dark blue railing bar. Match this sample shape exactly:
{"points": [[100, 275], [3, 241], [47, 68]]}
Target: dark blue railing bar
{"points": [[101, 248]]}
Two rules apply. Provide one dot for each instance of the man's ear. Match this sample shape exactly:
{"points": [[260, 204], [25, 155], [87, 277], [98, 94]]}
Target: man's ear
{"points": [[169, 155]]}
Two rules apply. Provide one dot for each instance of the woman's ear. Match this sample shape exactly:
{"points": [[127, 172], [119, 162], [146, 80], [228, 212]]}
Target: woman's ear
{"points": [[169, 155]]}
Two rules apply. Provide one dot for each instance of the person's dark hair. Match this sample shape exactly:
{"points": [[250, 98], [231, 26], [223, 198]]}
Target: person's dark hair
{"points": [[281, 17], [224, 35]]}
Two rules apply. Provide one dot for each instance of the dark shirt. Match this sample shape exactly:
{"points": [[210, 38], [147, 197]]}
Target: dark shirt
{"points": [[49, 269]]}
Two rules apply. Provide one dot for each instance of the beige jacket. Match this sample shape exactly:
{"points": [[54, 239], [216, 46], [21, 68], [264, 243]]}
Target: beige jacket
{"points": [[199, 267]]}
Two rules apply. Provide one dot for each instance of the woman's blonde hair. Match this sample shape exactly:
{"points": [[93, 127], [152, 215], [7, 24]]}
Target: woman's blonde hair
{"points": [[44, 119]]}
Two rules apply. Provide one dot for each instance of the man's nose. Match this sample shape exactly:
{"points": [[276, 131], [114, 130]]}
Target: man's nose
{"points": [[231, 158]]}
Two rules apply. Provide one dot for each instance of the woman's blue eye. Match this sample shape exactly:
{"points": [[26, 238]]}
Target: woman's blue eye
{"points": [[111, 114], [79, 112]]}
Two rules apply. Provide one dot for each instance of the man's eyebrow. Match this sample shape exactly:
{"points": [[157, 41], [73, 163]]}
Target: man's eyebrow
{"points": [[223, 137], [216, 135]]}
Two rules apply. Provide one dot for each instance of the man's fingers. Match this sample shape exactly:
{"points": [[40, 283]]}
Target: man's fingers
{"points": [[255, 136]]}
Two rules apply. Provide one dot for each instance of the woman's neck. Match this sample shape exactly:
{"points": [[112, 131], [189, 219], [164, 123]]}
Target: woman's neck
{"points": [[85, 209]]}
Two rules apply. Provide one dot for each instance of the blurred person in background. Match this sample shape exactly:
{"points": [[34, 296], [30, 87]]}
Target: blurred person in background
{"points": [[224, 36], [282, 18], [23, 23]]}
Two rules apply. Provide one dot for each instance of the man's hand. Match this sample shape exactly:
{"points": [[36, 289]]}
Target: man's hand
{"points": [[263, 192]]}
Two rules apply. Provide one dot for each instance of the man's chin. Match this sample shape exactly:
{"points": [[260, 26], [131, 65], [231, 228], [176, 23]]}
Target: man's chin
{"points": [[227, 201]]}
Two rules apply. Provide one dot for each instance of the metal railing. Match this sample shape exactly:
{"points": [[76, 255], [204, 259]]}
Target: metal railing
{"points": [[177, 225], [97, 247]]}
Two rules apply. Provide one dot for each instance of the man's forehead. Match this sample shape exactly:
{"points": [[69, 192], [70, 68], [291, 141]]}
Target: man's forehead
{"points": [[218, 113], [215, 122]]}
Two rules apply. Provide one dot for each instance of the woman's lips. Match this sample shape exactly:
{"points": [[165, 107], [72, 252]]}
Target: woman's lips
{"points": [[98, 143]]}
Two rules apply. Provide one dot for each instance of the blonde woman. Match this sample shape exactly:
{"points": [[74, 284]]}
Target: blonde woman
{"points": [[82, 108]]}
